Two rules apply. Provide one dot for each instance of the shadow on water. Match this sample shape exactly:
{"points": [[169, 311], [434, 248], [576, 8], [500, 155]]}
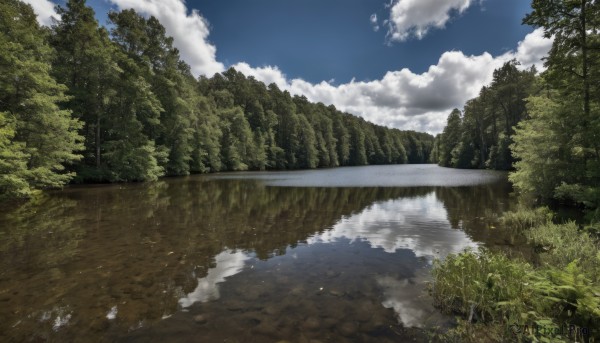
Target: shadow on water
{"points": [[234, 259]]}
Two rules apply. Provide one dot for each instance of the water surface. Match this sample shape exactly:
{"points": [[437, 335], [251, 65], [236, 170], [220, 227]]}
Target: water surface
{"points": [[335, 255]]}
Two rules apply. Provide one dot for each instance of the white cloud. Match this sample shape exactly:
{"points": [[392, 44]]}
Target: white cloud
{"points": [[414, 18], [373, 18], [407, 100], [401, 99], [44, 10], [189, 29], [374, 22], [267, 74], [533, 48]]}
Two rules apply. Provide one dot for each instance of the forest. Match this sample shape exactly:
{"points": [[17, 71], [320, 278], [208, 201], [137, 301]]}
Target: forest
{"points": [[543, 127], [81, 103], [86, 103]]}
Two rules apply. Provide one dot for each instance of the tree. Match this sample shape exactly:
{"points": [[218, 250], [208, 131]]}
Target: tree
{"points": [[13, 162], [540, 144], [342, 137], [573, 57], [307, 156], [128, 153], [37, 138], [83, 63], [207, 136], [450, 138], [567, 107], [236, 141], [482, 136], [358, 153]]}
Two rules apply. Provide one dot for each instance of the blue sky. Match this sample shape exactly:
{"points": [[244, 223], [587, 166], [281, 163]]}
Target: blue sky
{"points": [[400, 63]]}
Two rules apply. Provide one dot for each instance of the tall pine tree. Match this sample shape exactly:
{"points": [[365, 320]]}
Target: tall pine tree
{"points": [[37, 138]]}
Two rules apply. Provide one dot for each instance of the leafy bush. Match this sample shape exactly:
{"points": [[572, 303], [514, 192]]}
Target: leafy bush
{"points": [[490, 291]]}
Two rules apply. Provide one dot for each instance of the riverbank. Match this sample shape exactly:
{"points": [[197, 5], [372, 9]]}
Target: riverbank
{"points": [[554, 297]]}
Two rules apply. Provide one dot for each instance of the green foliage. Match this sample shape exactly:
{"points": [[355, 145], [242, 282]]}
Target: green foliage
{"points": [[569, 295], [13, 162], [480, 137], [37, 138], [482, 286], [131, 106], [558, 146], [541, 149], [588, 196], [559, 245], [449, 138], [524, 218], [489, 288]]}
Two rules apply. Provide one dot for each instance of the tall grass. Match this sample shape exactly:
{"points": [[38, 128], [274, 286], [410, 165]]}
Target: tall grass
{"points": [[523, 218], [559, 245], [490, 291]]}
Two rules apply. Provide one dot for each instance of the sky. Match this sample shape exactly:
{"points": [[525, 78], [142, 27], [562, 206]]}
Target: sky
{"points": [[399, 63]]}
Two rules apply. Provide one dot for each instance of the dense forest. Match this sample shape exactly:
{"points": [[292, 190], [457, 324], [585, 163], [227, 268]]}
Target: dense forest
{"points": [[83, 103], [544, 127], [480, 135]]}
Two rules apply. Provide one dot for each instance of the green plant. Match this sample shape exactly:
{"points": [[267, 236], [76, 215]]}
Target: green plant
{"points": [[482, 286], [559, 245], [525, 218]]}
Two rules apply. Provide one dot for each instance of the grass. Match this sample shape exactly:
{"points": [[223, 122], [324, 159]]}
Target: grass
{"points": [[524, 218], [493, 295], [559, 245]]}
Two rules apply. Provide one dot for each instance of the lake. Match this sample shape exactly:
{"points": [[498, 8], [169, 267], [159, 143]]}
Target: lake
{"points": [[331, 255]]}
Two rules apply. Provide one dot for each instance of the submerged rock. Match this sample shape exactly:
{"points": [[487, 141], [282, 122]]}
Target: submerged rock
{"points": [[200, 319]]}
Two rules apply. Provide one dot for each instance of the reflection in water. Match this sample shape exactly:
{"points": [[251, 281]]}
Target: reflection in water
{"points": [[418, 224], [406, 299], [228, 263], [111, 262], [112, 314], [422, 175]]}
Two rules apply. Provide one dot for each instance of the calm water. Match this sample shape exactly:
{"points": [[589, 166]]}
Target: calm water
{"points": [[337, 255]]}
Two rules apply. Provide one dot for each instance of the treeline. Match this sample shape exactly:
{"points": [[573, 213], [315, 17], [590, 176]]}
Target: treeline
{"points": [[551, 136], [82, 103], [480, 136], [555, 150]]}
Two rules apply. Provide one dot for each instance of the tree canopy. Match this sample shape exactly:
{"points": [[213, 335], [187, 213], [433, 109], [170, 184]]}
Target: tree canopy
{"points": [[82, 103], [546, 127]]}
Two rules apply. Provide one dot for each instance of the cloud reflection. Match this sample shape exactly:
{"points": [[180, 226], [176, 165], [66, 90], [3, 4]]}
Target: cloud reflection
{"points": [[419, 224], [228, 263], [413, 308]]}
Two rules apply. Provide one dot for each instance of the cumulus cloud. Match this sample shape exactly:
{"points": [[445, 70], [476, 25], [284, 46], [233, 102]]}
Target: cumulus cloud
{"points": [[414, 18], [407, 100], [401, 99], [44, 10], [267, 74], [533, 49], [189, 29]]}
